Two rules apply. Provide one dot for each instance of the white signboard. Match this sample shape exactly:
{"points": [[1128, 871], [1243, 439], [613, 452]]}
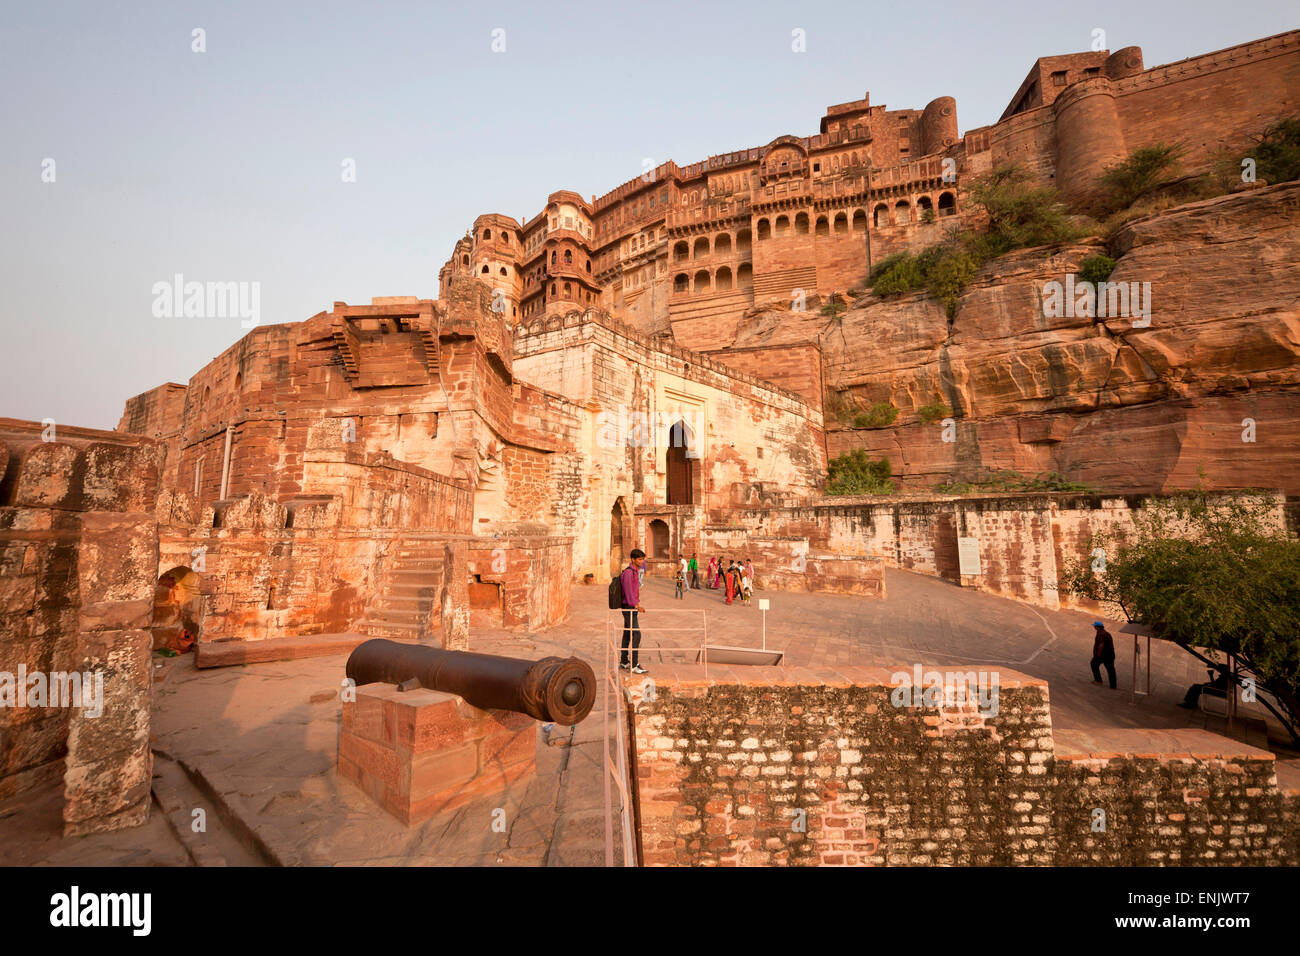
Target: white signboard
{"points": [[968, 555]]}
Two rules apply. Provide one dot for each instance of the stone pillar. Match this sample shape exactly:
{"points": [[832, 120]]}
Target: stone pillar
{"points": [[109, 767], [455, 596]]}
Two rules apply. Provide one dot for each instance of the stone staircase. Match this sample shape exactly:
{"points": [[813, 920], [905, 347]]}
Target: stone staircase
{"points": [[407, 604]]}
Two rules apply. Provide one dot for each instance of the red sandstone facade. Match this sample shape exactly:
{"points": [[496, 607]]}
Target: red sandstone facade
{"points": [[681, 248]]}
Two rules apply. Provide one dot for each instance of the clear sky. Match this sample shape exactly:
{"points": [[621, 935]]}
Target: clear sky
{"points": [[227, 165]]}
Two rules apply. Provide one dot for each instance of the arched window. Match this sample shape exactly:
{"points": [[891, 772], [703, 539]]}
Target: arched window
{"points": [[702, 281], [487, 234], [882, 216], [701, 247], [764, 229], [552, 257], [503, 270], [823, 226], [464, 260], [744, 241], [568, 291], [681, 250], [902, 213], [947, 204], [485, 269], [841, 222], [745, 275], [588, 265], [568, 257], [681, 282], [722, 281], [801, 224], [859, 221], [923, 205], [239, 380], [505, 237], [782, 225], [722, 245]]}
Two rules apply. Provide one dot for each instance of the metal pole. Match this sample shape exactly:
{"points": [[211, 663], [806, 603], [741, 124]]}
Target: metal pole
{"points": [[1148, 665], [1132, 694], [609, 820]]}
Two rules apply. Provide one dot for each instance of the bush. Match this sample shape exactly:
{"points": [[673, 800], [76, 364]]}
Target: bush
{"points": [[948, 273], [1277, 151], [1146, 169], [935, 411], [1020, 213], [878, 416], [1096, 268], [858, 474], [897, 274]]}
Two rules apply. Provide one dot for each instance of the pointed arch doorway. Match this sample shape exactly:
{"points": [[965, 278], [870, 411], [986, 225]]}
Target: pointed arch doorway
{"points": [[681, 467]]}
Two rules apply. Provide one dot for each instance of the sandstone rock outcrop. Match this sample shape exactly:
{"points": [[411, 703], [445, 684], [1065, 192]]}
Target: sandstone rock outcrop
{"points": [[1120, 406]]}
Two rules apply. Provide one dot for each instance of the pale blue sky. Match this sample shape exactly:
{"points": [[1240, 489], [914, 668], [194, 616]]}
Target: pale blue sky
{"points": [[226, 165]]}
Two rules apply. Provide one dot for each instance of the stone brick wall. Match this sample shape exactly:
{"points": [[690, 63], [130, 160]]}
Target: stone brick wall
{"points": [[78, 557], [1024, 540], [804, 767]]}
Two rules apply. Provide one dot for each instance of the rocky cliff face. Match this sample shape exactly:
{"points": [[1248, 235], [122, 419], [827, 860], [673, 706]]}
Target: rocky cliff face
{"points": [[1208, 391]]}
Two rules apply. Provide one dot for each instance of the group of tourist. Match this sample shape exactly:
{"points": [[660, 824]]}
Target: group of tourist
{"points": [[736, 579]]}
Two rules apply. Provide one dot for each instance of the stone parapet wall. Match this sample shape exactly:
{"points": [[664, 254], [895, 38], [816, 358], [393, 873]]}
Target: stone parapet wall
{"points": [[752, 766]]}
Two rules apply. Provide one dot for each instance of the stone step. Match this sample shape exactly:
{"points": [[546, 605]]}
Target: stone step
{"points": [[403, 603], [413, 589], [424, 566], [223, 838], [374, 628], [415, 575]]}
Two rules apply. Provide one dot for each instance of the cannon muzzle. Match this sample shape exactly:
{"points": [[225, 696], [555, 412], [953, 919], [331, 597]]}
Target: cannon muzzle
{"points": [[555, 689]]}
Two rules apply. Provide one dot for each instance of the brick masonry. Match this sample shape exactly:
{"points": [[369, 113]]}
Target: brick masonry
{"points": [[806, 767]]}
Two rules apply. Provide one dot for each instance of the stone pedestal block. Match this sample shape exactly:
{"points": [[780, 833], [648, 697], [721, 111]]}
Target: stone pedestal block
{"points": [[423, 752]]}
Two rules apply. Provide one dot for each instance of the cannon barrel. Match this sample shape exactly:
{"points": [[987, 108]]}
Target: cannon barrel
{"points": [[555, 689]]}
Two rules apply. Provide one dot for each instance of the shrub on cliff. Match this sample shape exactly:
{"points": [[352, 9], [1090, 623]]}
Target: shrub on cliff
{"points": [[856, 473], [1145, 170], [897, 274], [1208, 574], [878, 416], [1277, 151], [1096, 268], [1020, 214], [935, 411]]}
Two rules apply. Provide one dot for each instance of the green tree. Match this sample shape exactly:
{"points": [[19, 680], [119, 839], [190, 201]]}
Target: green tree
{"points": [[1212, 573]]}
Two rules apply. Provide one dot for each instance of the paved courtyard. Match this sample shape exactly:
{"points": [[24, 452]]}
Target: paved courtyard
{"points": [[254, 745]]}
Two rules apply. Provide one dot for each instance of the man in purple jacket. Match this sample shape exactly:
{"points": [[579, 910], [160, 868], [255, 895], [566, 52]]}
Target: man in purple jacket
{"points": [[630, 580]]}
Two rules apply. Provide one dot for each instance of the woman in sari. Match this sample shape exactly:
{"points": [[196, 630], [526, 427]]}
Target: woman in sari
{"points": [[729, 577], [713, 573]]}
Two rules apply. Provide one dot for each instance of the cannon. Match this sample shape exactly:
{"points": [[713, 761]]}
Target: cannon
{"points": [[555, 689]]}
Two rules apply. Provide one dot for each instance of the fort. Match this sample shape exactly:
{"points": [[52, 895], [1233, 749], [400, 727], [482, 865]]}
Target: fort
{"points": [[429, 469]]}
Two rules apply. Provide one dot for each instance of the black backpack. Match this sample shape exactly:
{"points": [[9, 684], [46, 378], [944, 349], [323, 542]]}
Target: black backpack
{"points": [[616, 592]]}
